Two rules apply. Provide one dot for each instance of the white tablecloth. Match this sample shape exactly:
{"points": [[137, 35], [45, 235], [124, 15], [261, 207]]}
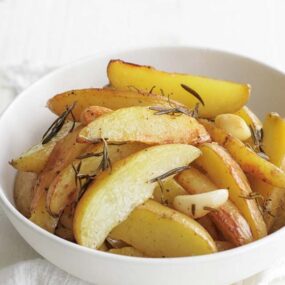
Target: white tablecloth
{"points": [[37, 36]]}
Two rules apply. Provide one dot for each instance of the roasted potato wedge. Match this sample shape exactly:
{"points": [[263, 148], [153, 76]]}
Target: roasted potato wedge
{"points": [[227, 218], [106, 97], [226, 173], [128, 251], [64, 152], [274, 146], [116, 194], [219, 96], [165, 192], [249, 161], [23, 191], [159, 231], [35, 158], [143, 125], [63, 189]]}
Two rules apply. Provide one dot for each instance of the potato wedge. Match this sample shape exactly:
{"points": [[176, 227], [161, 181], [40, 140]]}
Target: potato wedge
{"points": [[116, 194], [226, 173], [167, 191], [227, 219], [91, 113], [106, 97], [274, 147], [64, 152], [23, 192], [63, 189], [159, 231], [249, 161], [128, 251], [143, 125], [219, 96], [35, 158]]}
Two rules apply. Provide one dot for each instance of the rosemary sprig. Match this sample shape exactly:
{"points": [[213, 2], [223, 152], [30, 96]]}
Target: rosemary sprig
{"points": [[169, 173], [206, 208], [193, 209], [193, 92], [177, 110], [105, 163], [261, 202], [58, 123]]}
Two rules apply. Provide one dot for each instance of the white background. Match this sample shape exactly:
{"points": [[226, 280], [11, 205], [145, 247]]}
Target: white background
{"points": [[36, 36]]}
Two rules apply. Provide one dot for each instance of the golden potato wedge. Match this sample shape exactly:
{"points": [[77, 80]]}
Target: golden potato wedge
{"points": [[23, 191], [106, 97], [63, 189], [35, 158], [159, 231], [64, 152], [226, 173], [249, 161], [114, 195], [143, 125], [227, 218], [167, 191], [274, 146], [128, 251], [91, 113], [219, 96]]}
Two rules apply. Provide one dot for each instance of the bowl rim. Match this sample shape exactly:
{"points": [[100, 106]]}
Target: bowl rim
{"points": [[7, 205]]}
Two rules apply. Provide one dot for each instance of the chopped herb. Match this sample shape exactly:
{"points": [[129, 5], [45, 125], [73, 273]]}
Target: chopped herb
{"points": [[206, 208], [193, 92], [58, 123], [193, 209], [151, 89], [169, 173]]}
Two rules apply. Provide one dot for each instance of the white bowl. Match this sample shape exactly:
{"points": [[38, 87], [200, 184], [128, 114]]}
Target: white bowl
{"points": [[24, 121]]}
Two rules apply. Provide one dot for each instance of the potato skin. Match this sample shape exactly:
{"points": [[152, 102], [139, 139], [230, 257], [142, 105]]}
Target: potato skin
{"points": [[23, 191]]}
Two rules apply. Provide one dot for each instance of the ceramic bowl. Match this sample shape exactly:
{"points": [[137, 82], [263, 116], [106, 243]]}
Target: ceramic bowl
{"points": [[23, 123]]}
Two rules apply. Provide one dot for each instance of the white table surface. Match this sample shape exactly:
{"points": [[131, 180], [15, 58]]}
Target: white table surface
{"points": [[36, 36]]}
